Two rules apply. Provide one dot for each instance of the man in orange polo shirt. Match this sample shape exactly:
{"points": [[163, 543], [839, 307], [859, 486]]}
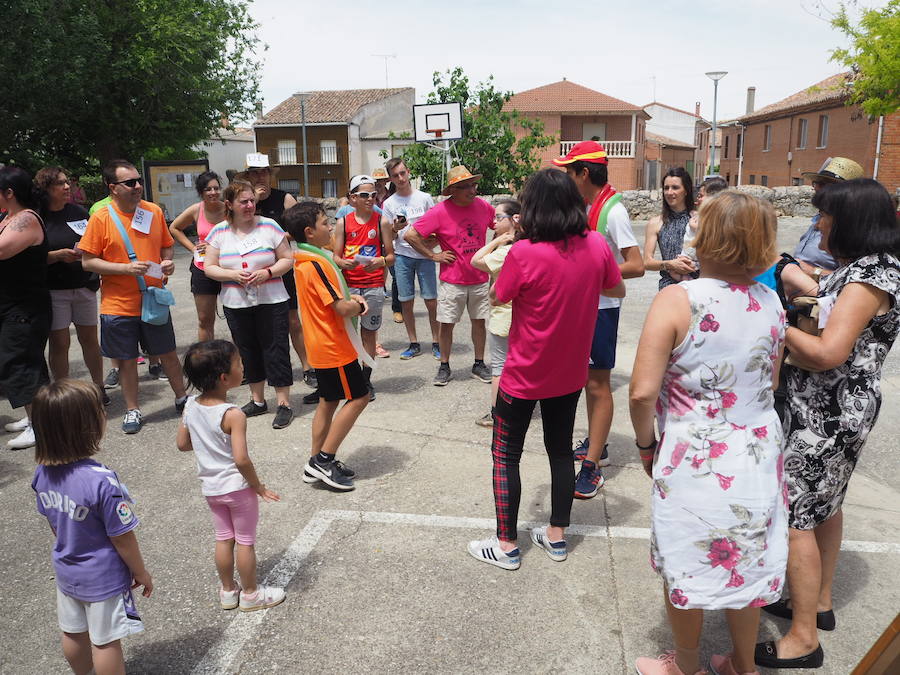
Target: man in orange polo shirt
{"points": [[324, 311], [104, 252]]}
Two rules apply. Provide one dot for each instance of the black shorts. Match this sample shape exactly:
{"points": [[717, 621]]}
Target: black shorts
{"points": [[345, 382], [290, 285], [121, 335], [23, 336], [202, 284]]}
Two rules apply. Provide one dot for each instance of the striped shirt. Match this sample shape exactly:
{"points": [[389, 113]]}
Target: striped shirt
{"points": [[233, 253]]}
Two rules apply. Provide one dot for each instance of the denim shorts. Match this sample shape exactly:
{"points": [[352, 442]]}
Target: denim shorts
{"points": [[121, 335], [407, 269]]}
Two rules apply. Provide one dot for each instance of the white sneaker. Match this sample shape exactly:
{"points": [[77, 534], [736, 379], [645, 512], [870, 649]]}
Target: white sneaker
{"points": [[18, 425], [489, 551], [265, 597], [229, 599], [23, 440]]}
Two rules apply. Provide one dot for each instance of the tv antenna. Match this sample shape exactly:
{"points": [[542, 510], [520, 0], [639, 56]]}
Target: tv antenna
{"points": [[385, 57]]}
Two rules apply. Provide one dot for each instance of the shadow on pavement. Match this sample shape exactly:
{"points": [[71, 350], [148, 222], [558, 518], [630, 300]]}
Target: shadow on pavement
{"points": [[171, 656]]}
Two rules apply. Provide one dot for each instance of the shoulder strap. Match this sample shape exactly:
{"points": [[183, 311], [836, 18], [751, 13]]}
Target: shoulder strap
{"points": [[125, 240]]}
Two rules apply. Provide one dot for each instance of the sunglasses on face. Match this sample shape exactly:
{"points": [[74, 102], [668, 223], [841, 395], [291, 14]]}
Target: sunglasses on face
{"points": [[366, 195], [130, 182]]}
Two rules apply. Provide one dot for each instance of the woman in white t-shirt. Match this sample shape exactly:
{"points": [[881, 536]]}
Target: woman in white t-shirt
{"points": [[249, 254]]}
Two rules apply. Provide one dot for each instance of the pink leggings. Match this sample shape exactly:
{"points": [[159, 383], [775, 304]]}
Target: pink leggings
{"points": [[235, 516]]}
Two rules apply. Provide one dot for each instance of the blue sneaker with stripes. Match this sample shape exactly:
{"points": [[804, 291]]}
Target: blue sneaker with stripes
{"points": [[556, 550], [580, 451], [488, 550]]}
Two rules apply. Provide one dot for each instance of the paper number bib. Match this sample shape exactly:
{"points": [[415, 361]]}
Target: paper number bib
{"points": [[142, 220], [77, 226]]}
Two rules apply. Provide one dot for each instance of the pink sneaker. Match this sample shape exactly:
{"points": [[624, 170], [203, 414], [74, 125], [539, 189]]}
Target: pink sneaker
{"points": [[381, 352], [229, 599], [662, 665], [722, 665]]}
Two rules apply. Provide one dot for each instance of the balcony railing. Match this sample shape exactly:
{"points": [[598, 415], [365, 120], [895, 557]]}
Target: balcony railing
{"points": [[613, 148], [316, 154]]}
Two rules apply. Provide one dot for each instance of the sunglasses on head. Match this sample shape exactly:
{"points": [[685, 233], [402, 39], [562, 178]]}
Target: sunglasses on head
{"points": [[366, 195], [130, 182]]}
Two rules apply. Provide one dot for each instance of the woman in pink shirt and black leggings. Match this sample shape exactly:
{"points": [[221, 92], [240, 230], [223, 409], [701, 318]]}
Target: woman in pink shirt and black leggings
{"points": [[553, 276]]}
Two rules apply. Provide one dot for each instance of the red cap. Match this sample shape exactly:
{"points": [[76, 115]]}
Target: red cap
{"points": [[586, 151]]}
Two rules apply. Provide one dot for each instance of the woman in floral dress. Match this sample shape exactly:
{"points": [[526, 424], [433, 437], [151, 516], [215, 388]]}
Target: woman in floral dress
{"points": [[707, 360], [832, 411]]}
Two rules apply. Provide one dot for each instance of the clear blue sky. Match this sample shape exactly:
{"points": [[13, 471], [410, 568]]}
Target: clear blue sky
{"points": [[778, 46]]}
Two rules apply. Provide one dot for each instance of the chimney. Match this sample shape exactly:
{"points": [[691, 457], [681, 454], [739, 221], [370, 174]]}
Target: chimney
{"points": [[259, 109], [751, 99], [697, 108]]}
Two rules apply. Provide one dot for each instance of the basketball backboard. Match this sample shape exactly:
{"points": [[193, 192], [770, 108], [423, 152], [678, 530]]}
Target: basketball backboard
{"points": [[437, 122]]}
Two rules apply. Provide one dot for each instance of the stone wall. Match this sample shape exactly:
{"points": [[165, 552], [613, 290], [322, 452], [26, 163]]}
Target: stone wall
{"points": [[644, 204]]}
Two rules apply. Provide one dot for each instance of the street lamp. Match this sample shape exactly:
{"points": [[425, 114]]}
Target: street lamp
{"points": [[303, 97], [715, 76]]}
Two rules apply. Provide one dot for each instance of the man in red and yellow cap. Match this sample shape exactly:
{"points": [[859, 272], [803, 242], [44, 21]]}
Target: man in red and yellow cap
{"points": [[587, 165]]}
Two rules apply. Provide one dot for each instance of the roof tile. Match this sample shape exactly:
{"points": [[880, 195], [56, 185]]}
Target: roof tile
{"points": [[338, 106], [567, 96], [831, 89]]}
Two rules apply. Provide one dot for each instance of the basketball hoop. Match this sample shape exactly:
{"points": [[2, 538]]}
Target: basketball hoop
{"points": [[437, 132]]}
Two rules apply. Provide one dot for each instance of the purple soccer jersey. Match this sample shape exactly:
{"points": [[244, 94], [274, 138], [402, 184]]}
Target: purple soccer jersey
{"points": [[86, 505]]}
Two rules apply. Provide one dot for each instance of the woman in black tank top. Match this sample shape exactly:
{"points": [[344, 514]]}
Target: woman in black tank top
{"points": [[24, 297]]}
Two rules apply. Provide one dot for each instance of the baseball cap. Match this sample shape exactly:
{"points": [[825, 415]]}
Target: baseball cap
{"points": [[586, 151], [362, 179]]}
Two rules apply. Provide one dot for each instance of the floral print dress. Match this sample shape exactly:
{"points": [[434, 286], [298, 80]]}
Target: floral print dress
{"points": [[831, 413], [719, 504]]}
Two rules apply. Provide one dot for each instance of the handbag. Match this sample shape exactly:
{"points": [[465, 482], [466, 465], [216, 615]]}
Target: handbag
{"points": [[804, 314], [155, 300]]}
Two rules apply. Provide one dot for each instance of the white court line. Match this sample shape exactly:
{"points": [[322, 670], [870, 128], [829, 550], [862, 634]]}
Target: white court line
{"points": [[244, 626]]}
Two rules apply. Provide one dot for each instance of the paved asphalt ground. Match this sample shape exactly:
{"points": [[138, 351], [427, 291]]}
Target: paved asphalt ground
{"points": [[379, 579]]}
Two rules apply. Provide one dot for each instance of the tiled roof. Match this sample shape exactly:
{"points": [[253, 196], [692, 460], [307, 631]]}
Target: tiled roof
{"points": [[670, 142], [338, 106], [671, 107], [829, 90], [566, 96]]}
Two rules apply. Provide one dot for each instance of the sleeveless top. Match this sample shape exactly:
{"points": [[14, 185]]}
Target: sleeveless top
{"points": [[23, 278], [212, 448], [273, 205], [203, 228], [671, 240], [363, 239]]}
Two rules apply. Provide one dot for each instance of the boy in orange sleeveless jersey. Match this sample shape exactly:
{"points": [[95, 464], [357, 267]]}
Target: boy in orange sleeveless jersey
{"points": [[363, 248], [326, 309]]}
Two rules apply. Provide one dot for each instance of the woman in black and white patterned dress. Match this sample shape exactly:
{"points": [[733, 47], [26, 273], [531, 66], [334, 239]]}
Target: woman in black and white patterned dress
{"points": [[667, 231], [831, 412]]}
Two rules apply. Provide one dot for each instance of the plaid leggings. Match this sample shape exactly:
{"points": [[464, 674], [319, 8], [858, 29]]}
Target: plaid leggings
{"points": [[511, 419]]}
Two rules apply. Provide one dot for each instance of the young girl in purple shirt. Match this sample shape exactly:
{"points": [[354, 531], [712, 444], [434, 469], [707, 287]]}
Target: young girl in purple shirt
{"points": [[96, 558]]}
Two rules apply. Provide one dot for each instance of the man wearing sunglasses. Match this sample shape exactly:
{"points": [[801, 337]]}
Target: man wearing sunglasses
{"points": [[460, 225], [104, 252]]}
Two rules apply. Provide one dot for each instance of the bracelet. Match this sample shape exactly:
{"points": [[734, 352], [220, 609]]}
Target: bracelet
{"points": [[383, 261], [269, 270]]}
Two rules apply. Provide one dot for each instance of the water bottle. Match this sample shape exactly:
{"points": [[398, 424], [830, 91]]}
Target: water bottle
{"points": [[252, 291]]}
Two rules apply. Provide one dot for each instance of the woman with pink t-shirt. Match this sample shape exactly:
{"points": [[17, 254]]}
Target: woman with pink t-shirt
{"points": [[204, 214], [552, 276]]}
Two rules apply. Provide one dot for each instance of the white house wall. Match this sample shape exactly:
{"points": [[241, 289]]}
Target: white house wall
{"points": [[229, 153], [671, 124]]}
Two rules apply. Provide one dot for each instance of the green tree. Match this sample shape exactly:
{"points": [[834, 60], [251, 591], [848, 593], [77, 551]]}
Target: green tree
{"points": [[90, 80], [490, 147], [873, 57]]}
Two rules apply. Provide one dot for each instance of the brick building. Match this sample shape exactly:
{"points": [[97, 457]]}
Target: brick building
{"points": [[661, 154], [574, 113], [774, 145], [345, 132], [675, 125]]}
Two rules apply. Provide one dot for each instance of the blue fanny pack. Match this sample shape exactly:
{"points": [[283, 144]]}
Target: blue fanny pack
{"points": [[155, 300]]}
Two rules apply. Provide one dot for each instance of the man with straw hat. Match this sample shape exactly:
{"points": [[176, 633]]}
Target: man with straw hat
{"points": [[813, 260], [460, 224]]}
